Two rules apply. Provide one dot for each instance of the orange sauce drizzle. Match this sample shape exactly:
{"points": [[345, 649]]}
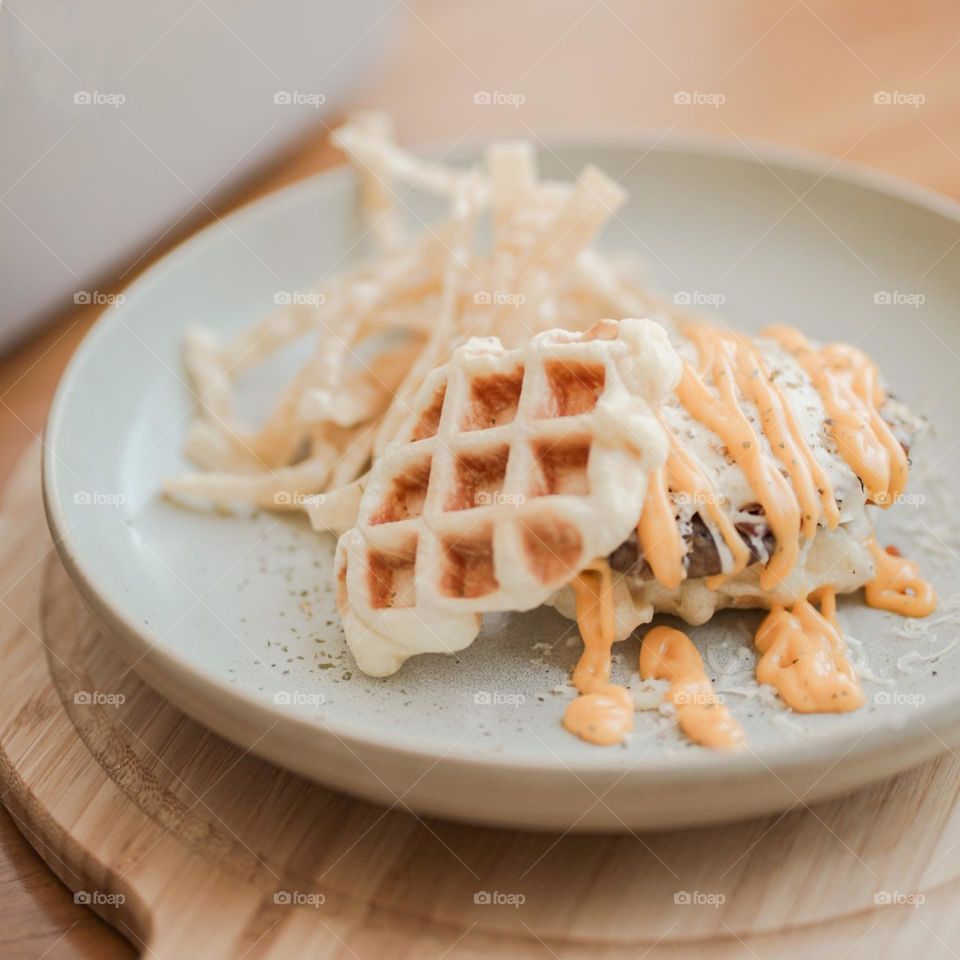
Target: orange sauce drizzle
{"points": [[803, 657], [658, 531], [729, 422], [603, 713], [793, 504], [668, 654], [848, 384], [803, 654], [897, 585], [803, 648]]}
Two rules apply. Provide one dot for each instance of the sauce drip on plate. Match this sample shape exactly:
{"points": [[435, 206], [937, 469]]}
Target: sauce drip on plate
{"points": [[897, 585], [668, 654], [803, 656], [603, 712]]}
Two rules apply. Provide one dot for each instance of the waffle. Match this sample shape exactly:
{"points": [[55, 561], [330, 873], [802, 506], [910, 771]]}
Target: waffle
{"points": [[513, 471]]}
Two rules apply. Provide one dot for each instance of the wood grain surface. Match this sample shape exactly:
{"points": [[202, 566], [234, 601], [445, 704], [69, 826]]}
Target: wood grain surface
{"points": [[811, 73]]}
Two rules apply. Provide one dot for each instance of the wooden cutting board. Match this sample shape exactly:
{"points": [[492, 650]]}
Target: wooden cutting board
{"points": [[192, 848]]}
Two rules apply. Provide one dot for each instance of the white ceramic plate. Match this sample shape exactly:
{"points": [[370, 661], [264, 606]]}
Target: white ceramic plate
{"points": [[233, 619]]}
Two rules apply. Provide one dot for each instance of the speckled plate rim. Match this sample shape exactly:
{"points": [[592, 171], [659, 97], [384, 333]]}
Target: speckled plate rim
{"points": [[916, 736]]}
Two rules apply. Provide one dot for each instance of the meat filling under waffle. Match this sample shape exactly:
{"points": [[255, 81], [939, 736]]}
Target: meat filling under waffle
{"points": [[702, 557]]}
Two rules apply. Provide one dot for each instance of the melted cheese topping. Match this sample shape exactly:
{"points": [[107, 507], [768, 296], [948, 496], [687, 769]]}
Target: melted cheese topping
{"points": [[670, 655], [848, 384], [788, 482], [804, 658], [897, 585], [603, 713], [732, 363], [802, 649], [658, 531], [792, 488]]}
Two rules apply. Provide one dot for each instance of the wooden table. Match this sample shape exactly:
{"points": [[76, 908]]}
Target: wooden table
{"points": [[811, 73]]}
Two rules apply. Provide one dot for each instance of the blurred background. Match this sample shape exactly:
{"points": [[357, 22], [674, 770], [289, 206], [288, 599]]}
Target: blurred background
{"points": [[127, 126]]}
